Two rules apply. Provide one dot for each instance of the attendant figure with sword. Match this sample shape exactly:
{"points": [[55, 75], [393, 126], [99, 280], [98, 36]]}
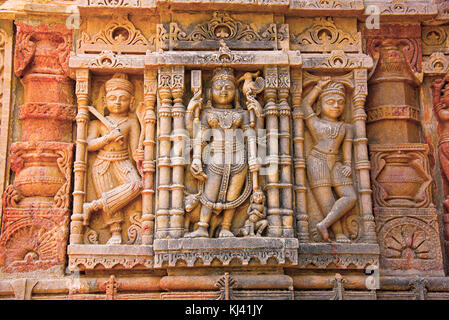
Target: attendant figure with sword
{"points": [[115, 178]]}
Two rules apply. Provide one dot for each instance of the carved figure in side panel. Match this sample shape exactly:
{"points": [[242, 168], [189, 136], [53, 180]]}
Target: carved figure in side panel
{"points": [[329, 167], [115, 137]]}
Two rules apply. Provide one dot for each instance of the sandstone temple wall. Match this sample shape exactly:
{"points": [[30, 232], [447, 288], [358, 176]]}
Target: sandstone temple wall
{"points": [[209, 149]]}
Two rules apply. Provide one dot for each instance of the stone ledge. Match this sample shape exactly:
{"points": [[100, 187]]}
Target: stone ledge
{"points": [[88, 257], [338, 255], [203, 252]]}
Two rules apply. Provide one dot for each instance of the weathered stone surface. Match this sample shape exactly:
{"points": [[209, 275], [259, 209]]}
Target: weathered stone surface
{"points": [[244, 149]]}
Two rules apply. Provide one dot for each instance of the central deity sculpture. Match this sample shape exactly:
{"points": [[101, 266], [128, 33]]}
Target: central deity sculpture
{"points": [[225, 182], [332, 138]]}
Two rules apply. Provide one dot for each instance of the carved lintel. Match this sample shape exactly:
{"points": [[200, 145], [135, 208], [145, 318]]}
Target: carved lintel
{"points": [[224, 57], [107, 60], [336, 61]]}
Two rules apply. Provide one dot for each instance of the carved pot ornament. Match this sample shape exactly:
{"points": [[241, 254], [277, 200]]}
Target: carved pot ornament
{"points": [[403, 180]]}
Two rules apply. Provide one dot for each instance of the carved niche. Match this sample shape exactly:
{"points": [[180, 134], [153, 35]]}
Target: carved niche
{"points": [[335, 224], [224, 192], [113, 182]]}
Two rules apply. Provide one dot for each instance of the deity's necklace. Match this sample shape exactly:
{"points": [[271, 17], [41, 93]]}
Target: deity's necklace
{"points": [[332, 131]]}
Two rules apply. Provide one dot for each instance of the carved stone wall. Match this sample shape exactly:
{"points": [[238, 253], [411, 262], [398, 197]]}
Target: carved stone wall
{"points": [[269, 149]]}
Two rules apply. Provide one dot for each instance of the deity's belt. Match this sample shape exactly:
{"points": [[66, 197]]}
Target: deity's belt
{"points": [[334, 157], [222, 147], [113, 155]]}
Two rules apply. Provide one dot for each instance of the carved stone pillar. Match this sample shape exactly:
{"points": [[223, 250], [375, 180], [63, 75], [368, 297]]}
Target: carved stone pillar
{"points": [[302, 219], [272, 129], [37, 204], [149, 166], [177, 159], [80, 165], [164, 162], [285, 158], [362, 163], [406, 218]]}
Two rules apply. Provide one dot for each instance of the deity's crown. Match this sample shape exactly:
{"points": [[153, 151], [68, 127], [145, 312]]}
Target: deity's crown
{"points": [[334, 87], [120, 81], [223, 74]]}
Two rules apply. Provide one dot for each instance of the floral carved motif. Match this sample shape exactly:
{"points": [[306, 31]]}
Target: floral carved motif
{"points": [[32, 242], [120, 35], [223, 27], [324, 36], [115, 3], [328, 4], [405, 7], [410, 241]]}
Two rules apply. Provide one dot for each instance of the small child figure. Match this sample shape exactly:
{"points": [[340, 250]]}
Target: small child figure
{"points": [[256, 223]]}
